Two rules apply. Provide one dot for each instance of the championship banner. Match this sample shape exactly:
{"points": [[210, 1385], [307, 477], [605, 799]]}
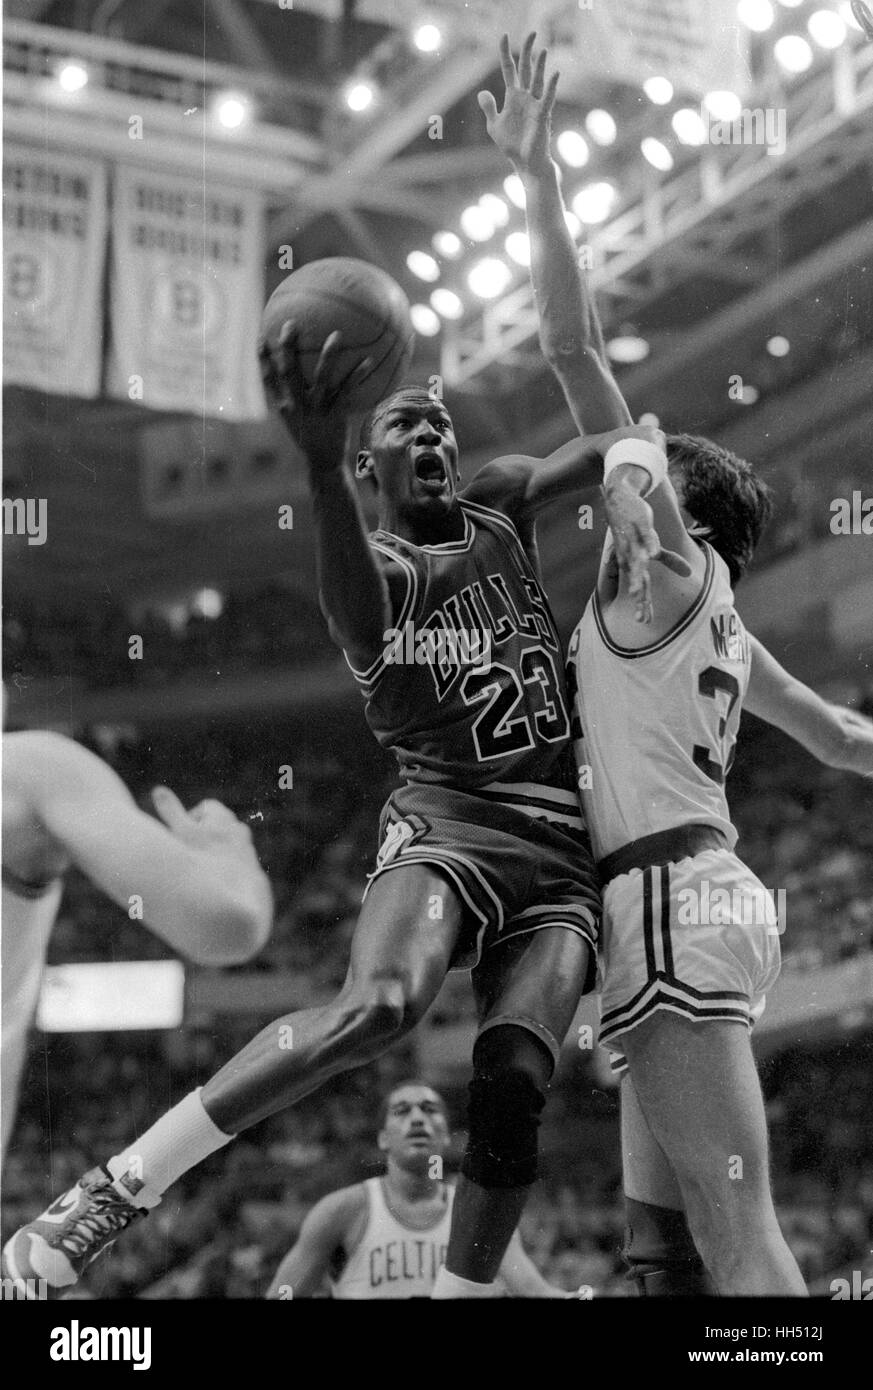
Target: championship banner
{"points": [[54, 247], [186, 293], [697, 44]]}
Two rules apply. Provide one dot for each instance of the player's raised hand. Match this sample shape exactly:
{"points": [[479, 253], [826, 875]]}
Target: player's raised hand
{"points": [[522, 129]]}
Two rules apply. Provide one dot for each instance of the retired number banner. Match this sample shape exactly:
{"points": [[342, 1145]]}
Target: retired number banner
{"points": [[186, 293], [54, 248]]}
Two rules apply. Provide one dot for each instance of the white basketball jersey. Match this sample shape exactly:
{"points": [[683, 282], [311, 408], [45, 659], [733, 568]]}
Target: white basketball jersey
{"points": [[392, 1260], [29, 913], [658, 725]]}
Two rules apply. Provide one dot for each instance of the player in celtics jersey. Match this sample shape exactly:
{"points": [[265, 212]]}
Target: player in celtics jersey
{"points": [[690, 936], [195, 872], [659, 702], [387, 1237]]}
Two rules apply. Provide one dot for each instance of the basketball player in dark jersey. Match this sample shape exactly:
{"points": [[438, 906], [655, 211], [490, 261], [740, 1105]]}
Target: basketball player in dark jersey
{"points": [[484, 860]]}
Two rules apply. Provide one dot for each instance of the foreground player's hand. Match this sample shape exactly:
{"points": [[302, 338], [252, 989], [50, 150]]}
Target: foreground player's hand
{"points": [[522, 129], [315, 411], [208, 826]]}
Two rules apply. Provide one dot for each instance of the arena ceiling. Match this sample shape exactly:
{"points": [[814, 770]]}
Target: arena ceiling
{"points": [[706, 262]]}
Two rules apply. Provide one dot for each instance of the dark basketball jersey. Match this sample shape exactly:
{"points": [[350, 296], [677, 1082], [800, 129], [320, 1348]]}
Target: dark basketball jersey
{"points": [[470, 687]]}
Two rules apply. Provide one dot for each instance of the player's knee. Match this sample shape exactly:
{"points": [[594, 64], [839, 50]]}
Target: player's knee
{"points": [[511, 1070], [377, 1012]]}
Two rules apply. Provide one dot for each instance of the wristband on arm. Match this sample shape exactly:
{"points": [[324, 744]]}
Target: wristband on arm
{"points": [[641, 453]]}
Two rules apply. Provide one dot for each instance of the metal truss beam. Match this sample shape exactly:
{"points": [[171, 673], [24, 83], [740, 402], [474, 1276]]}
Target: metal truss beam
{"points": [[704, 212]]}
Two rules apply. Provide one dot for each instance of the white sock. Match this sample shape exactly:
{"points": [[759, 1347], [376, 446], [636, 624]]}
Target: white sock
{"points": [[448, 1285], [180, 1140]]}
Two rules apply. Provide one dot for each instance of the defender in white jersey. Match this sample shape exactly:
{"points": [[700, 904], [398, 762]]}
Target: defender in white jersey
{"points": [[386, 1238], [660, 762], [658, 727], [690, 936], [202, 888]]}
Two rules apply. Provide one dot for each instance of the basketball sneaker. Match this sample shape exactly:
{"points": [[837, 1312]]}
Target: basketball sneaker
{"points": [[69, 1234]]}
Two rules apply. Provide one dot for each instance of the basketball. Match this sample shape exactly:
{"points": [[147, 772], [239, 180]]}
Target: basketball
{"points": [[360, 301]]}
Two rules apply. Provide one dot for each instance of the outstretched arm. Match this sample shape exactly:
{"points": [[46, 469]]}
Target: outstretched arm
{"points": [[836, 736], [324, 1231], [570, 333], [522, 486], [202, 888], [354, 593]]}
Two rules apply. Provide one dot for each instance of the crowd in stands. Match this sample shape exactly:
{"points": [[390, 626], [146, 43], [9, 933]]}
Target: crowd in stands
{"points": [[223, 1229], [271, 627], [802, 506]]}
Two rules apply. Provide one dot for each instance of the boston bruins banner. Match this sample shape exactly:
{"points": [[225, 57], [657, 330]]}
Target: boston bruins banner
{"points": [[54, 247], [186, 291]]}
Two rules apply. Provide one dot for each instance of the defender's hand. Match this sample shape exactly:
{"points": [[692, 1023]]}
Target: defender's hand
{"points": [[522, 129], [636, 544]]}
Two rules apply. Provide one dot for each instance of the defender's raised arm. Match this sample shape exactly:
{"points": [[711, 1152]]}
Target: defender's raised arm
{"points": [[570, 333]]}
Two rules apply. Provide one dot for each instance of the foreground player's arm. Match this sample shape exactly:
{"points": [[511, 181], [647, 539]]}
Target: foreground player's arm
{"points": [[324, 1232], [202, 888], [570, 333], [521, 1276], [837, 736], [522, 486], [353, 590]]}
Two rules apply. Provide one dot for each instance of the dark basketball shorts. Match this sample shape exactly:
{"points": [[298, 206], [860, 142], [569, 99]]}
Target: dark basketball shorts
{"points": [[517, 855]]}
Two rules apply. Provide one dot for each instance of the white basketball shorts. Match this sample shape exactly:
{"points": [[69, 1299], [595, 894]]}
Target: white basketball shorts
{"points": [[698, 938]]}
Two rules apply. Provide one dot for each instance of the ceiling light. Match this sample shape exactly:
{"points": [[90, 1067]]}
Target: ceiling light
{"points": [[72, 77], [447, 303], [724, 106], [601, 127], [689, 128], [423, 265], [495, 208], [489, 278], [659, 90], [514, 189], [447, 244], [573, 148], [427, 38], [424, 320], [793, 53], [594, 203], [827, 28], [757, 15], [518, 247], [628, 347], [476, 223], [359, 96], [656, 152]]}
